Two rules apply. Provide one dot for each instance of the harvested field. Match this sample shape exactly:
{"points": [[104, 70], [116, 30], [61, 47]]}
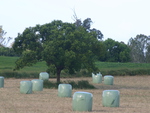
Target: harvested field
{"points": [[134, 97]]}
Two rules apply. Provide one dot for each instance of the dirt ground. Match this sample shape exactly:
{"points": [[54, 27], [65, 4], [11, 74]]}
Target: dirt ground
{"points": [[134, 97]]}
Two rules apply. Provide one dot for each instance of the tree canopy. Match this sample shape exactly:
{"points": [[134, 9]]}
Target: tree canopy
{"points": [[140, 48], [62, 45], [116, 51], [2, 32]]}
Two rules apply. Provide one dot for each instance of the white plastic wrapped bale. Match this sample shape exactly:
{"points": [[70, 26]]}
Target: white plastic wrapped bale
{"points": [[82, 101], [108, 80], [97, 78], [37, 85], [1, 81], [26, 87], [44, 76], [64, 90], [111, 98]]}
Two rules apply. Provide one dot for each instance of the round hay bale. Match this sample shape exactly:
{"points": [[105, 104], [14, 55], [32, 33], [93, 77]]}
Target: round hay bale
{"points": [[44, 76], [64, 90], [108, 79], [97, 78], [111, 98], [26, 87], [37, 85], [82, 101], [1, 81]]}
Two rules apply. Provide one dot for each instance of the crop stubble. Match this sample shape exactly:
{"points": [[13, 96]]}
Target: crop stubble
{"points": [[134, 97]]}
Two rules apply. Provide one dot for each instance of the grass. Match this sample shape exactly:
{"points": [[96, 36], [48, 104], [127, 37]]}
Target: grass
{"points": [[8, 64], [106, 68], [134, 97], [120, 66], [114, 68]]}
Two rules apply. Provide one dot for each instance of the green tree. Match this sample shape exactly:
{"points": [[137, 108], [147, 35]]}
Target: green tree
{"points": [[148, 52], [2, 32], [116, 51], [5, 51], [139, 48], [62, 45]]}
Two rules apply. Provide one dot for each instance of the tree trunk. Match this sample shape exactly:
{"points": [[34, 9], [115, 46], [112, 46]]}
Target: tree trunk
{"points": [[58, 75]]}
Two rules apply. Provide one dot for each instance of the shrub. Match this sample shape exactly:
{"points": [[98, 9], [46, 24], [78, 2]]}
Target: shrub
{"points": [[83, 84], [13, 74], [49, 84]]}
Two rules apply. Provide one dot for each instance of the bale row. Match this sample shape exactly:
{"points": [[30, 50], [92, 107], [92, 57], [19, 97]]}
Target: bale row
{"points": [[81, 101]]}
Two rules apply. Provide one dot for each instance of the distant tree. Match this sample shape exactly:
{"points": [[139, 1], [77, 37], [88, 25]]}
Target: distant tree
{"points": [[63, 46], [1, 45], [5, 51], [140, 48], [148, 50], [2, 32], [116, 51]]}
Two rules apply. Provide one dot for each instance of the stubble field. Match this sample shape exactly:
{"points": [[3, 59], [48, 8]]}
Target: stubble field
{"points": [[134, 97]]}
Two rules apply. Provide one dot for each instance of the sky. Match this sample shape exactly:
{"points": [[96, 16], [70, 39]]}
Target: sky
{"points": [[116, 19]]}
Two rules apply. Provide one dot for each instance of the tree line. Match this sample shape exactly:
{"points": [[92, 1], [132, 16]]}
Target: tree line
{"points": [[5, 51], [137, 50], [112, 51]]}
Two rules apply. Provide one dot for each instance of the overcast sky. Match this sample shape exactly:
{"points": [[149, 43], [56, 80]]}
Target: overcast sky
{"points": [[116, 19]]}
